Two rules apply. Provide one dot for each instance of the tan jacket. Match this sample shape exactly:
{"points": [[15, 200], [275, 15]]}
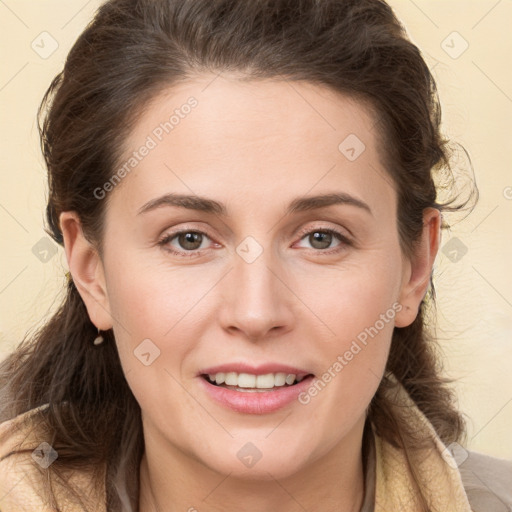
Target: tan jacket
{"points": [[464, 481]]}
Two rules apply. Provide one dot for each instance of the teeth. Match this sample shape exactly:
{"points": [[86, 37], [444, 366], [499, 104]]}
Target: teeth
{"points": [[219, 378], [279, 379], [247, 380], [231, 379], [290, 379]]}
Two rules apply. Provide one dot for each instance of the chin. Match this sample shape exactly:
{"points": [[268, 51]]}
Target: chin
{"points": [[266, 468]]}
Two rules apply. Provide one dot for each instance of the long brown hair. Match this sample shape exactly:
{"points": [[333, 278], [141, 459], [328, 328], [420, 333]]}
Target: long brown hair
{"points": [[132, 50]]}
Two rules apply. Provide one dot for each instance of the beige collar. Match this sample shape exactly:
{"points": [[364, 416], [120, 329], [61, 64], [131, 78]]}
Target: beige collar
{"points": [[437, 469]]}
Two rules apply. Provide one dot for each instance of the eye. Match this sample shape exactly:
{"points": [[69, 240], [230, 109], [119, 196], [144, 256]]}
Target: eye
{"points": [[188, 241], [322, 238]]}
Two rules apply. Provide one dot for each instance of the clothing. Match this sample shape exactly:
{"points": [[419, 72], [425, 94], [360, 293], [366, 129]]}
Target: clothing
{"points": [[463, 482], [466, 481]]}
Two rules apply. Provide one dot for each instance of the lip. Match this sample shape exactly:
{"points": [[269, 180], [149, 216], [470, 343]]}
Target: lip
{"points": [[256, 402], [262, 369]]}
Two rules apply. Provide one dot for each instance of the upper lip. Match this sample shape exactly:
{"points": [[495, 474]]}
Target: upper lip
{"points": [[261, 369]]}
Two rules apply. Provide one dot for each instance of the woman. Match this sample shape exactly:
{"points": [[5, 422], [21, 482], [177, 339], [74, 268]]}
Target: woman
{"points": [[245, 194]]}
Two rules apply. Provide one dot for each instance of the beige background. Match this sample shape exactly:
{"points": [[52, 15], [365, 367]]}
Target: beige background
{"points": [[475, 85]]}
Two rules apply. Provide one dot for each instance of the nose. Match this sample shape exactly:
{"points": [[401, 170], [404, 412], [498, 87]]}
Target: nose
{"points": [[257, 301]]}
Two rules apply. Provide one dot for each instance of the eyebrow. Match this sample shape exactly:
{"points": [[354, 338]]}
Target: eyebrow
{"points": [[300, 204]]}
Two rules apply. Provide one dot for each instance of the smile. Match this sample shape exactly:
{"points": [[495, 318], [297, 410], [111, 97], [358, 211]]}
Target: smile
{"points": [[250, 382], [255, 394]]}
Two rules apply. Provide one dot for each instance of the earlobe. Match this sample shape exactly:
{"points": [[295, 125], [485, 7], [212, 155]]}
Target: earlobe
{"points": [[418, 270], [86, 269]]}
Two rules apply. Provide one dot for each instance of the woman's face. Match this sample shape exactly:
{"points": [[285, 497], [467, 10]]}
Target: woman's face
{"points": [[257, 283]]}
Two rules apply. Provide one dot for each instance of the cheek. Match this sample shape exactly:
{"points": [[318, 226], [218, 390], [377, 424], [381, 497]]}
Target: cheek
{"points": [[152, 301], [354, 361], [353, 298], [359, 306], [154, 330], [160, 311]]}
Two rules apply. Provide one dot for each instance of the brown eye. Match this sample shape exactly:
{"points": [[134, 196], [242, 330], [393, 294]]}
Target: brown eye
{"points": [[190, 240], [184, 243], [320, 239]]}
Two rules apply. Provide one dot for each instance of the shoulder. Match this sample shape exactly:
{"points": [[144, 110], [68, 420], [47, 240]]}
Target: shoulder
{"points": [[487, 481], [18, 471], [26, 476]]}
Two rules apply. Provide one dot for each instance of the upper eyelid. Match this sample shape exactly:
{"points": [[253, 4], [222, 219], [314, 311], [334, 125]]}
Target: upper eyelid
{"points": [[337, 230], [303, 231]]}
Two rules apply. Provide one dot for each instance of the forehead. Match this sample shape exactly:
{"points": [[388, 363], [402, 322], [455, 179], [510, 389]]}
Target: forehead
{"points": [[216, 134]]}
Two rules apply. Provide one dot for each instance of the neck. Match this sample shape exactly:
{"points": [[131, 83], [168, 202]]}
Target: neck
{"points": [[172, 481]]}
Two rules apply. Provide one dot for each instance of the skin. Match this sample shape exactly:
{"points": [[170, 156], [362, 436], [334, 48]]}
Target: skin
{"points": [[255, 147]]}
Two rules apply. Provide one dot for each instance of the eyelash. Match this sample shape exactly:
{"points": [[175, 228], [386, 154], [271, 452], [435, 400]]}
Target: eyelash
{"points": [[191, 254]]}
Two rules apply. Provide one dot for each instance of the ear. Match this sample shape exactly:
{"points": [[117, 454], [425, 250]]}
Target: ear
{"points": [[418, 268], [86, 268]]}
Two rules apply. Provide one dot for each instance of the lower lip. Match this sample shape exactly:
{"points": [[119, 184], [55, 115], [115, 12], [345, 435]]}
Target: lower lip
{"points": [[256, 402]]}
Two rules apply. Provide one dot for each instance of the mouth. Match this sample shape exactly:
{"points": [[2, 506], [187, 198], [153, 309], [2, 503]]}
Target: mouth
{"points": [[249, 393], [255, 389], [251, 383]]}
